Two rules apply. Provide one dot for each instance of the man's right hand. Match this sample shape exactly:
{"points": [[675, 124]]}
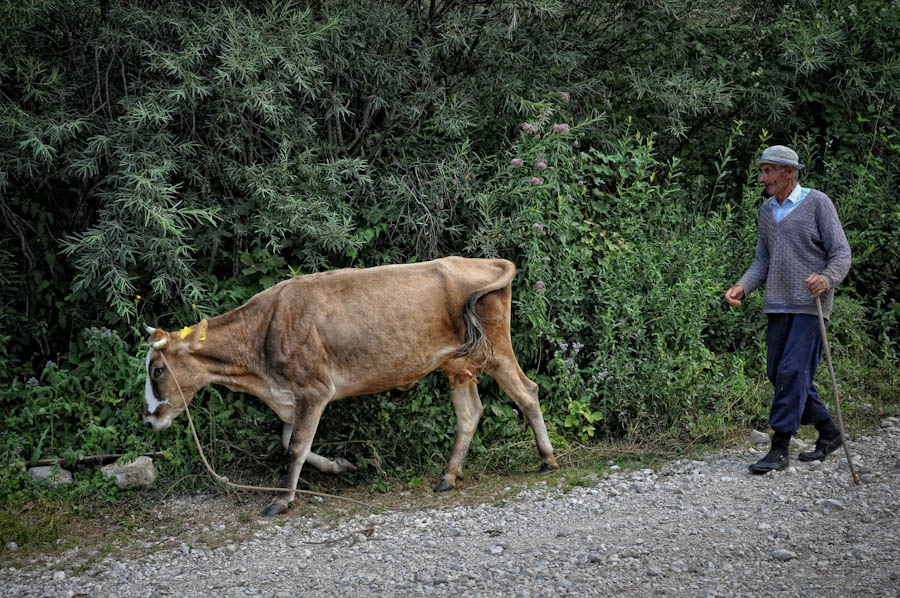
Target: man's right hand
{"points": [[734, 295]]}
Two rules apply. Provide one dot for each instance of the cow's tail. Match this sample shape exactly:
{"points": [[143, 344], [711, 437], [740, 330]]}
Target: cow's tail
{"points": [[476, 343]]}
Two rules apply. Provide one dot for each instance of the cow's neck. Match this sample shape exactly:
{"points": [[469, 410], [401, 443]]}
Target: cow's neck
{"points": [[232, 353]]}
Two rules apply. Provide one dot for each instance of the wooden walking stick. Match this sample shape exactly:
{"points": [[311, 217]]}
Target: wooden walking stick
{"points": [[837, 401]]}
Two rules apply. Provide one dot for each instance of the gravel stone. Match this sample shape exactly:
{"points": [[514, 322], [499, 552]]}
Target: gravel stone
{"points": [[758, 438], [712, 529], [782, 554]]}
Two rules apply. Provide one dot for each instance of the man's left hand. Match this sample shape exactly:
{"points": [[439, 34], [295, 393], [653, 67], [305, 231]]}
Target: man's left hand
{"points": [[816, 285]]}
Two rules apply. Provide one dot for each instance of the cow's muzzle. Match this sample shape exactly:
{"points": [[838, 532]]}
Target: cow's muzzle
{"points": [[155, 423]]}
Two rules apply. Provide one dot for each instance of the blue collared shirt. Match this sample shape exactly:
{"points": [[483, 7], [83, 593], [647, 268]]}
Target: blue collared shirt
{"points": [[780, 212]]}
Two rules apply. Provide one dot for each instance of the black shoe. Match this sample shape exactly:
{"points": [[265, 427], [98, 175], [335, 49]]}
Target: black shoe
{"points": [[823, 449], [776, 460]]}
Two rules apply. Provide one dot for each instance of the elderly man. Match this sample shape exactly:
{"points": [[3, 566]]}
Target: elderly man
{"points": [[802, 253]]}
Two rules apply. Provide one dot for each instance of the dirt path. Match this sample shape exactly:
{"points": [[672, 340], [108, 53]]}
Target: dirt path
{"points": [[690, 528]]}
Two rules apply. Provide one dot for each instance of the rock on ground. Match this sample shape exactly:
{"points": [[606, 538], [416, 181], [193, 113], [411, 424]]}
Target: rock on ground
{"points": [[140, 473], [702, 527]]}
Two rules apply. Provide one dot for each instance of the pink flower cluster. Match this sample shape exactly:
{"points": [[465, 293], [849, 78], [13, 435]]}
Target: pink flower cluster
{"points": [[530, 128], [564, 96], [536, 180], [561, 128]]}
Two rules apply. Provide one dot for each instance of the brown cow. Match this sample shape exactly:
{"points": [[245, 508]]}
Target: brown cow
{"points": [[310, 340]]}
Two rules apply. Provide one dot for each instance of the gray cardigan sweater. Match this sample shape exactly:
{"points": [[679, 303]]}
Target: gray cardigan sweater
{"points": [[808, 240]]}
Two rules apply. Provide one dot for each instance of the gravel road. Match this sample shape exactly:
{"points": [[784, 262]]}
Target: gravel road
{"points": [[690, 528]]}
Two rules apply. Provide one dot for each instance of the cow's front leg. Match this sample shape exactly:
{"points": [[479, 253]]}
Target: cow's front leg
{"points": [[468, 412], [307, 413]]}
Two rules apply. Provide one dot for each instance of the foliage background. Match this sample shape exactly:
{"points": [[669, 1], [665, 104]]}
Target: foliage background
{"points": [[163, 161]]}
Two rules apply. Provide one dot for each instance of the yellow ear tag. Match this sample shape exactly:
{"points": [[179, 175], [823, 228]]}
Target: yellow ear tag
{"points": [[187, 330]]}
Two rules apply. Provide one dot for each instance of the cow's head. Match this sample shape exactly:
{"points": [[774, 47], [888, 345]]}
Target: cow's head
{"points": [[171, 357]]}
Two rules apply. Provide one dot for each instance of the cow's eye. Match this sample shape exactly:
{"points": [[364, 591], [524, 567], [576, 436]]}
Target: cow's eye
{"points": [[158, 372]]}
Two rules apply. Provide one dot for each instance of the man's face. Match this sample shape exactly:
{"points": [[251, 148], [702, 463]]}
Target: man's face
{"points": [[778, 180]]}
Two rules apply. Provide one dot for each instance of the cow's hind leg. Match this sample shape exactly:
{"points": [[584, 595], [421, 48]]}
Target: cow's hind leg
{"points": [[323, 464], [524, 392], [326, 465], [468, 412], [307, 413]]}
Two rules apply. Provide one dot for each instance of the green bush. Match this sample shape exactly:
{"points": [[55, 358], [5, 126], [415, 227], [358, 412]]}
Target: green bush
{"points": [[167, 162]]}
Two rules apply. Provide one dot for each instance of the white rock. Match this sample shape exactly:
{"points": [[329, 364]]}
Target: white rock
{"points": [[140, 473], [50, 475]]}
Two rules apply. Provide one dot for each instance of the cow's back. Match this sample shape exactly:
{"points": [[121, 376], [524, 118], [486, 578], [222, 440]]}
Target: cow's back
{"points": [[377, 328]]}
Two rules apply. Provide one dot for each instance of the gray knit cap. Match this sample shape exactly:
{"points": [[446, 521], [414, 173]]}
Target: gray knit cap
{"points": [[780, 154]]}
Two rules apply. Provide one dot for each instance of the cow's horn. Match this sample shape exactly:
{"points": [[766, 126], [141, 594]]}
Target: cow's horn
{"points": [[160, 344], [149, 329]]}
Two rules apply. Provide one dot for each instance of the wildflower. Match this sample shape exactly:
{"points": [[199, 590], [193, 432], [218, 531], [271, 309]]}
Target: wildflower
{"points": [[32, 382], [515, 412], [536, 180], [564, 96], [539, 285], [561, 128], [517, 161], [537, 226], [530, 128], [577, 347], [601, 375], [137, 297], [570, 362], [563, 346], [50, 364], [541, 165]]}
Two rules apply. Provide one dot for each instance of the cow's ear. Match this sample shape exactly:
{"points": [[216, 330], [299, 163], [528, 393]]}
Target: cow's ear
{"points": [[196, 336]]}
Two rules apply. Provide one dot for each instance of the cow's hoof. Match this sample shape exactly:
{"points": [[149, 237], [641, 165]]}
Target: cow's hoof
{"points": [[276, 508], [443, 486], [344, 465], [547, 468]]}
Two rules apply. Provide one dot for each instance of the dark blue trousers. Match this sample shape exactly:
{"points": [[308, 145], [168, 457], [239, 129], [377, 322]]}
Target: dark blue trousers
{"points": [[794, 345]]}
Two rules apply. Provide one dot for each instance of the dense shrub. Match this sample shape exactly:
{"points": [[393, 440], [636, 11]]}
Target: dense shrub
{"points": [[166, 161]]}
